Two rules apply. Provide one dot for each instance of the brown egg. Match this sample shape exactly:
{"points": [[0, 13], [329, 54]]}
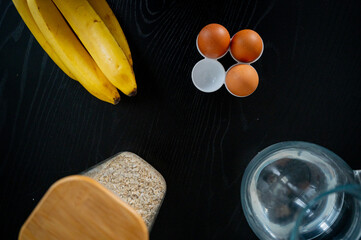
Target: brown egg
{"points": [[246, 46], [213, 40], [242, 80]]}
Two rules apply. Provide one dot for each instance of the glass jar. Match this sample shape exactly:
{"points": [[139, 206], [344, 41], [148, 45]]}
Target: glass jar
{"points": [[290, 178], [134, 180]]}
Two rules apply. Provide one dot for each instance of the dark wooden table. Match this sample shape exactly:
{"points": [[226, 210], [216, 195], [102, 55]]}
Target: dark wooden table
{"points": [[310, 90]]}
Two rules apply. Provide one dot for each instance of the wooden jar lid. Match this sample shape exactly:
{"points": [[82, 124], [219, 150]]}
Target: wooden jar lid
{"points": [[78, 207]]}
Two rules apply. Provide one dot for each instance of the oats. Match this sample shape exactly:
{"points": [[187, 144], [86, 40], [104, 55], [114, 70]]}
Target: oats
{"points": [[135, 181]]}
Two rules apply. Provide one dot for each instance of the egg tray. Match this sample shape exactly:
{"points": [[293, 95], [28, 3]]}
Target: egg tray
{"points": [[209, 75]]}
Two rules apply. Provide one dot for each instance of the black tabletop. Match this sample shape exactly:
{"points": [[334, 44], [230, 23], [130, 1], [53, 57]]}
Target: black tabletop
{"points": [[309, 90]]}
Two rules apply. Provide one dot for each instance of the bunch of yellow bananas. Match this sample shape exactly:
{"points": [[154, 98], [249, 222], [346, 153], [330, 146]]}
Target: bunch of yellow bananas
{"points": [[101, 61]]}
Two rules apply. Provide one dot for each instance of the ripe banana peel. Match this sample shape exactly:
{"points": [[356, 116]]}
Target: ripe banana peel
{"points": [[91, 31], [101, 61], [23, 9], [70, 51], [102, 8]]}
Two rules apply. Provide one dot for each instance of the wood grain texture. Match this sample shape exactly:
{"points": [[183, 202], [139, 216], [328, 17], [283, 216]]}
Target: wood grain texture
{"points": [[201, 143], [78, 207]]}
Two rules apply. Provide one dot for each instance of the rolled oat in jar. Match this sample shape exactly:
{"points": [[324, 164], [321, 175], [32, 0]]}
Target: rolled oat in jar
{"points": [[135, 181]]}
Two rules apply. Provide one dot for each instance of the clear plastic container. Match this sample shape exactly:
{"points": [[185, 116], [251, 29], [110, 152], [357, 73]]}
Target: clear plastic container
{"points": [[134, 180]]}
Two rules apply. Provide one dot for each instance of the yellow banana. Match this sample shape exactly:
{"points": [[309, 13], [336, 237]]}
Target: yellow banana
{"points": [[23, 9], [102, 8], [61, 38], [100, 43]]}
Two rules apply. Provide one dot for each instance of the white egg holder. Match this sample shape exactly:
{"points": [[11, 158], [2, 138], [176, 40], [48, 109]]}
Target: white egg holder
{"points": [[209, 75]]}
